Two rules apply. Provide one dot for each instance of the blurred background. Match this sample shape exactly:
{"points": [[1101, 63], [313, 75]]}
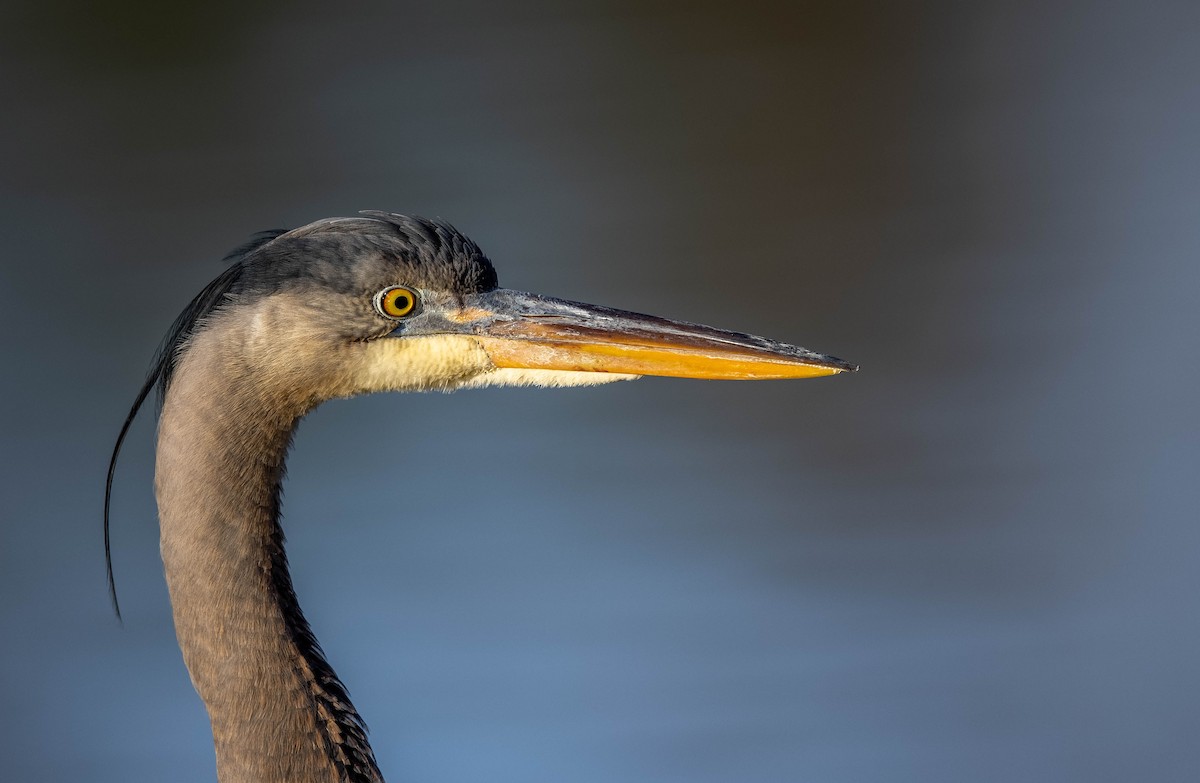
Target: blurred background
{"points": [[974, 560]]}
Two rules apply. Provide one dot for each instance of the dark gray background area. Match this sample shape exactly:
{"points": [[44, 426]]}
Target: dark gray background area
{"points": [[976, 560]]}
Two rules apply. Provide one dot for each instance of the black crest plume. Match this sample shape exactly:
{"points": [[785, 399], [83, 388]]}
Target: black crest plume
{"points": [[163, 366]]}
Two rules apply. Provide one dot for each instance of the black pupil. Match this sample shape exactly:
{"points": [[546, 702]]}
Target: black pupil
{"points": [[400, 302]]}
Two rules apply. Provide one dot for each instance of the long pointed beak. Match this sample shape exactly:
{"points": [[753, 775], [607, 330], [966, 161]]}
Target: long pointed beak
{"points": [[535, 332]]}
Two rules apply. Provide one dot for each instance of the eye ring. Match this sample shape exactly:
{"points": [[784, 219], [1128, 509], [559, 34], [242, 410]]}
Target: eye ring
{"points": [[396, 302]]}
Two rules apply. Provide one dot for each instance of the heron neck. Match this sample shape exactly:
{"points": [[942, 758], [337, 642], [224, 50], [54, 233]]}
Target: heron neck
{"points": [[277, 709]]}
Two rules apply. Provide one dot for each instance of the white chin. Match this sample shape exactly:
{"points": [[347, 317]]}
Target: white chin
{"points": [[510, 376]]}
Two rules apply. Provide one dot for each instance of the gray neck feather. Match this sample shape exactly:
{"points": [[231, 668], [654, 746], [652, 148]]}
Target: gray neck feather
{"points": [[278, 711]]}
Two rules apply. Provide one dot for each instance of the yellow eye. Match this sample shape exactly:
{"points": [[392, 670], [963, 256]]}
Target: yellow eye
{"points": [[396, 302]]}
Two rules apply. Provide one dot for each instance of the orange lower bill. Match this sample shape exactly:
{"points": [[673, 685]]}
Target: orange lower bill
{"points": [[681, 352]]}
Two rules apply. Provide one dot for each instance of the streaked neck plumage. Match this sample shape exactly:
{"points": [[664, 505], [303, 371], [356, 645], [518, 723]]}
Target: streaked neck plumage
{"points": [[278, 711]]}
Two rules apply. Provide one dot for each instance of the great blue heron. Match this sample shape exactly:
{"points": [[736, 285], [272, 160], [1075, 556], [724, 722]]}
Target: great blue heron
{"points": [[341, 307]]}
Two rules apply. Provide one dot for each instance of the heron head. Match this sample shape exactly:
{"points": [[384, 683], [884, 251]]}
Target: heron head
{"points": [[385, 302]]}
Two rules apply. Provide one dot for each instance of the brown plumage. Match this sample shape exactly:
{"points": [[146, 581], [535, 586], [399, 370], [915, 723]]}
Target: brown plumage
{"points": [[297, 320]]}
